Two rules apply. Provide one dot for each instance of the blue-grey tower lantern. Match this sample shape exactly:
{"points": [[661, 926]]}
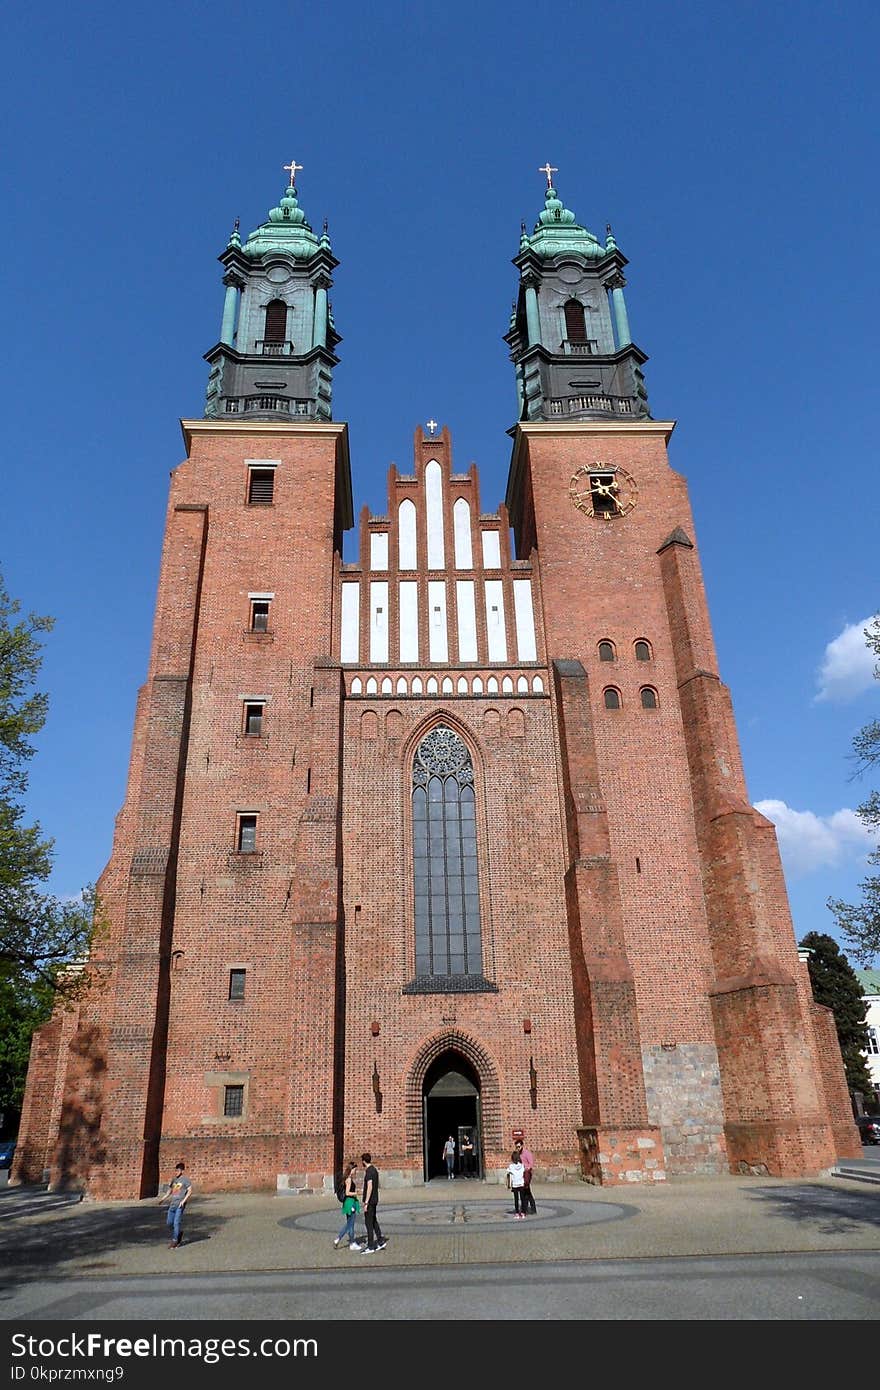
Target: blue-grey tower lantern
{"points": [[275, 357], [569, 335]]}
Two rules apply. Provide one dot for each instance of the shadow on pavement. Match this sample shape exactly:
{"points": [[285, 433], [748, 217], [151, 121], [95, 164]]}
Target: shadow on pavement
{"points": [[830, 1210], [40, 1231]]}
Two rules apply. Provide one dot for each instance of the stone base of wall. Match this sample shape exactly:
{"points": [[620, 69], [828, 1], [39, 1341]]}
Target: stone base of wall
{"points": [[683, 1092], [307, 1184], [614, 1156]]}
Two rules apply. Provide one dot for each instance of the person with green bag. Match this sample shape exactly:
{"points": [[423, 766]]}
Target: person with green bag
{"points": [[350, 1206]]}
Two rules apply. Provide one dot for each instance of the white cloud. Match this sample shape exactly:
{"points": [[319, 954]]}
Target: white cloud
{"points": [[808, 842], [848, 665]]}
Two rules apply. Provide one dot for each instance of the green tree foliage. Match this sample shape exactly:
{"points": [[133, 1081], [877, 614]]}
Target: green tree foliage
{"points": [[860, 922], [836, 985], [43, 941]]}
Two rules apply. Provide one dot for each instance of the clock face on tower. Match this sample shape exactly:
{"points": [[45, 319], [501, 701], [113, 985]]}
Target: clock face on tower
{"points": [[603, 490]]}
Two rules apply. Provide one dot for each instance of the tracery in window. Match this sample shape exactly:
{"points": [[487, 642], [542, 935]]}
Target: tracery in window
{"points": [[447, 897]]}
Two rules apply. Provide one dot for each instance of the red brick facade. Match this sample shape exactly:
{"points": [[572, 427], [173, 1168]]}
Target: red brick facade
{"points": [[640, 1008]]}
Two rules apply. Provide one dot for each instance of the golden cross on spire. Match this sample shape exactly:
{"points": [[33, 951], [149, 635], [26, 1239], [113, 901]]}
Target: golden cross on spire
{"points": [[548, 169], [294, 168]]}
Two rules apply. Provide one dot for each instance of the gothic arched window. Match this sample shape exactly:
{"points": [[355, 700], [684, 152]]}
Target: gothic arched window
{"points": [[447, 890], [575, 322], [276, 321]]}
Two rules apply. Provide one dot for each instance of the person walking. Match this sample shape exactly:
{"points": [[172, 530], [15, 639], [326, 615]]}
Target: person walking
{"points": [[375, 1239], [449, 1156], [515, 1177], [528, 1162], [350, 1206], [177, 1195]]}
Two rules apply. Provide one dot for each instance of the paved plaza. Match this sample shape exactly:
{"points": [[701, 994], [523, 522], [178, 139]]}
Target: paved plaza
{"points": [[49, 1235]]}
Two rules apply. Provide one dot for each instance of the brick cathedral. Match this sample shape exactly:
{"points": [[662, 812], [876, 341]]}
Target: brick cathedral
{"points": [[453, 838]]}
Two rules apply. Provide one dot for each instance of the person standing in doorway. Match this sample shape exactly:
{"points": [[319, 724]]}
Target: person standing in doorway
{"points": [[375, 1239], [177, 1196], [449, 1156], [467, 1155], [528, 1162]]}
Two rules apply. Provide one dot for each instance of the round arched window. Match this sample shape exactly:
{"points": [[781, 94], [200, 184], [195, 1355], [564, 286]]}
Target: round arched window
{"points": [[612, 698], [606, 651], [643, 651], [649, 697]]}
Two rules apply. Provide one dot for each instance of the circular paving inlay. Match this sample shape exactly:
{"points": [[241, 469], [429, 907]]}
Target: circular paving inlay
{"points": [[422, 1218]]}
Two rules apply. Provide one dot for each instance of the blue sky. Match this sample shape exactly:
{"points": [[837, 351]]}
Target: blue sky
{"points": [[731, 146]]}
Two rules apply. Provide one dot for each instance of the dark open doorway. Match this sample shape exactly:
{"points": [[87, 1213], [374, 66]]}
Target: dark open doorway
{"points": [[451, 1105]]}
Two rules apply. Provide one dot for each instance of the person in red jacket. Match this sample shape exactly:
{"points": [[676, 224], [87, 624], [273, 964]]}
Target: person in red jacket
{"points": [[528, 1162]]}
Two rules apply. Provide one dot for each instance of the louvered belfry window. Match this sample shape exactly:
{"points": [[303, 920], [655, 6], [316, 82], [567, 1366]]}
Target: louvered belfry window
{"points": [[447, 890], [276, 321], [261, 486], [575, 323]]}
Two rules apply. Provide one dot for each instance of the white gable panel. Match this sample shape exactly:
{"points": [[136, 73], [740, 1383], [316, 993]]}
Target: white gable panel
{"points": [[379, 550], [525, 620], [409, 620], [467, 620], [495, 620], [350, 644], [491, 550], [438, 641], [379, 620], [464, 555], [406, 535], [434, 510]]}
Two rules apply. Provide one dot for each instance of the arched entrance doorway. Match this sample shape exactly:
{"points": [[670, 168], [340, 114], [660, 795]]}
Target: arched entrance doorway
{"points": [[451, 1105]]}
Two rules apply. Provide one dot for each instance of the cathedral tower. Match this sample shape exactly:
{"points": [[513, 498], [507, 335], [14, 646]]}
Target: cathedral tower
{"points": [[681, 934], [275, 356]]}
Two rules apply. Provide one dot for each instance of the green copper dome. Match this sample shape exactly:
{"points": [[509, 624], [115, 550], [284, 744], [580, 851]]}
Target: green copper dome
{"points": [[286, 231], [556, 231]]}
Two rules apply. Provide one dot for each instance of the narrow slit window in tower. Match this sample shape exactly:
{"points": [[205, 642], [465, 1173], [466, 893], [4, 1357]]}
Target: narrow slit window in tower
{"points": [[259, 615], [261, 486], [246, 838], [253, 718]]}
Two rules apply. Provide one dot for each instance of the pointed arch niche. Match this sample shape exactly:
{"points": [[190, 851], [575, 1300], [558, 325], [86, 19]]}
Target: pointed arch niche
{"points": [[446, 914], [453, 1049]]}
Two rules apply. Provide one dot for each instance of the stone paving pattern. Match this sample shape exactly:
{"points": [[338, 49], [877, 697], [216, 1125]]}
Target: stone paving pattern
{"points": [[53, 1235]]}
